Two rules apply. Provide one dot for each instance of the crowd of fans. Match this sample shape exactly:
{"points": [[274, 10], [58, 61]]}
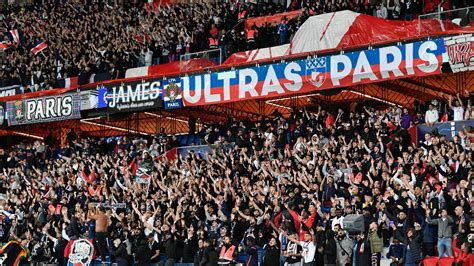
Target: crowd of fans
{"points": [[90, 37], [271, 192]]}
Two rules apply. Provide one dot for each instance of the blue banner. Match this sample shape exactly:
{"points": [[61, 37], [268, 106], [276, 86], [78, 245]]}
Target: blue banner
{"points": [[172, 93], [314, 73]]}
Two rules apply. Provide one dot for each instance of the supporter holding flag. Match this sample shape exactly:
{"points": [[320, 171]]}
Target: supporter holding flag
{"points": [[308, 247], [15, 36], [38, 47], [4, 46]]}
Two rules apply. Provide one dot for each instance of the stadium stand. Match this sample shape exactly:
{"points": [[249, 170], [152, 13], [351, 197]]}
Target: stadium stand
{"points": [[284, 157]]}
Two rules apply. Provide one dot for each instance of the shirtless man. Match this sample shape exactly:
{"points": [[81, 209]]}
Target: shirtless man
{"points": [[101, 229]]}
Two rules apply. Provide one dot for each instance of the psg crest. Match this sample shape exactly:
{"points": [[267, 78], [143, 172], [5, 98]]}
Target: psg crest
{"points": [[19, 110], [172, 93], [82, 252], [316, 71]]}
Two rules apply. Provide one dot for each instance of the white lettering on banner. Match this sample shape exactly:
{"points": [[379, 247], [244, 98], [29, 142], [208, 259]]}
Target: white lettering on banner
{"points": [[430, 59], [124, 95], [226, 77], [271, 83], [245, 86], [49, 112], [134, 93], [393, 66], [337, 75], [409, 58], [187, 89], [10, 92], [208, 96], [53, 107], [363, 69], [145, 91], [30, 109], [291, 76], [313, 73]]}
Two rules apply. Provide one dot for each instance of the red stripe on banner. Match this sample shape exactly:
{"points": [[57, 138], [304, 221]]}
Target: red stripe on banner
{"points": [[327, 26], [4, 46], [170, 155], [38, 48]]}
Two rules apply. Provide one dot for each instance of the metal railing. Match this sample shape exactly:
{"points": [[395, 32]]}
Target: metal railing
{"points": [[446, 19], [214, 55]]}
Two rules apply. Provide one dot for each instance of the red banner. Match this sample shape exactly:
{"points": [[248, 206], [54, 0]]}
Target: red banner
{"points": [[274, 19]]}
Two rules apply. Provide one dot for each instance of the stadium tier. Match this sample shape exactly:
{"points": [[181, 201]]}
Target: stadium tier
{"points": [[206, 133]]}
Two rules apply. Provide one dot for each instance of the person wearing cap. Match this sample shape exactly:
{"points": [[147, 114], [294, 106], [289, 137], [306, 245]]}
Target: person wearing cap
{"points": [[395, 252], [170, 247], [154, 249]]}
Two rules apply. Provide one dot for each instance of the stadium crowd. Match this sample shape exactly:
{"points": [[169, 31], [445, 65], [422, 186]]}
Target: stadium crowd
{"points": [[276, 191], [92, 37]]}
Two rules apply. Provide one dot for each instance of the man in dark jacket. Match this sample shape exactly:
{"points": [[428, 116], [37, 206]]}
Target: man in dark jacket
{"points": [[73, 230], [461, 225], [361, 254], [412, 246], [189, 247], [395, 251], [199, 253], [272, 253], [210, 255], [251, 252], [143, 254], [170, 249], [119, 253], [330, 250]]}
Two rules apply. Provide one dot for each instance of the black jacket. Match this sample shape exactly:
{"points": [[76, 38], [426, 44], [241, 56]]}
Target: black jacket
{"points": [[209, 257], [189, 250], [120, 255], [330, 251], [272, 256], [73, 231], [143, 254]]}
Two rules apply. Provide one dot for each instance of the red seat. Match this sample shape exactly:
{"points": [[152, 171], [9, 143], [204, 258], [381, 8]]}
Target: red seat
{"points": [[446, 261], [431, 261]]}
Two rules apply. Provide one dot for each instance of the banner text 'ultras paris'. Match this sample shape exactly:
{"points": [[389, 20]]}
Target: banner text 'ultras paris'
{"points": [[368, 66]]}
